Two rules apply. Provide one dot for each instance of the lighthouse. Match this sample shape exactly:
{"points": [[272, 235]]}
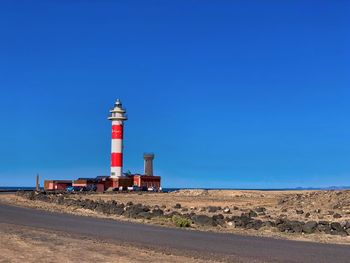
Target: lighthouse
{"points": [[117, 180], [118, 116]]}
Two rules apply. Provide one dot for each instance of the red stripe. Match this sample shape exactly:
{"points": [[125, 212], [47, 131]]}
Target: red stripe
{"points": [[117, 131], [117, 159]]}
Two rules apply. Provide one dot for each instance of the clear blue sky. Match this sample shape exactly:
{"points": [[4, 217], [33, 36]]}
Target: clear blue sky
{"points": [[250, 94]]}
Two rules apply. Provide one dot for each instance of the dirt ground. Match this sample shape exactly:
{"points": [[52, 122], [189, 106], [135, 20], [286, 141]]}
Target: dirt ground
{"points": [[25, 244], [304, 206]]}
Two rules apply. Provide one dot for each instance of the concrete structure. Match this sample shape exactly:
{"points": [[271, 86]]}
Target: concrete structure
{"points": [[120, 182], [86, 182], [37, 186], [148, 165], [145, 181], [148, 180], [57, 184], [118, 116]]}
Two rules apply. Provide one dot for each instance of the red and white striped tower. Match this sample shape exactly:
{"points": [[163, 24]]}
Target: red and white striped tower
{"points": [[117, 117]]}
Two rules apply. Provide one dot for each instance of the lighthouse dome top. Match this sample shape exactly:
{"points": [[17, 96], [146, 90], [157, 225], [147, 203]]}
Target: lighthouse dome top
{"points": [[118, 113]]}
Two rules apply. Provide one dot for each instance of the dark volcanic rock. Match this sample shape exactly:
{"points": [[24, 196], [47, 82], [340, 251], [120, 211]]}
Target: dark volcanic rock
{"points": [[121, 205], [219, 216], [103, 207], [144, 215], [219, 219], [117, 210], [42, 197], [157, 212], [310, 227], [133, 210], [260, 209], [347, 224], [299, 212], [336, 215], [114, 208], [323, 223], [297, 227], [70, 202], [100, 207], [59, 200], [187, 215], [335, 226], [324, 226], [172, 213], [177, 206], [203, 220], [337, 206], [348, 231], [213, 209], [220, 222], [90, 204], [337, 229], [244, 221], [29, 195], [250, 214], [285, 225], [240, 221], [268, 224], [254, 224]]}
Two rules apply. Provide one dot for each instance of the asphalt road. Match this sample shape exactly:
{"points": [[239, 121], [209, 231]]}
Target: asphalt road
{"points": [[227, 247]]}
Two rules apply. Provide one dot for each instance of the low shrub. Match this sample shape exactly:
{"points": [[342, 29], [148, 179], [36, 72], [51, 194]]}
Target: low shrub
{"points": [[180, 221]]}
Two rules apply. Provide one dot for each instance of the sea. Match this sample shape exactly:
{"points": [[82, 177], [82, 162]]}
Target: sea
{"points": [[17, 188]]}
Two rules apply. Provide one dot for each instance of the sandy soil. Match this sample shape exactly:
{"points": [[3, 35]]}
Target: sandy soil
{"points": [[315, 205], [25, 244]]}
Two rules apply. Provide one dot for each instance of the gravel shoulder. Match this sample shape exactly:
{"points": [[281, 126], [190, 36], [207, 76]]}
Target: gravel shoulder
{"points": [[28, 244]]}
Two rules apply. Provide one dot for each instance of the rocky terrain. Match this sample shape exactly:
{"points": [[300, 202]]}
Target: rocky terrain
{"points": [[307, 214]]}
